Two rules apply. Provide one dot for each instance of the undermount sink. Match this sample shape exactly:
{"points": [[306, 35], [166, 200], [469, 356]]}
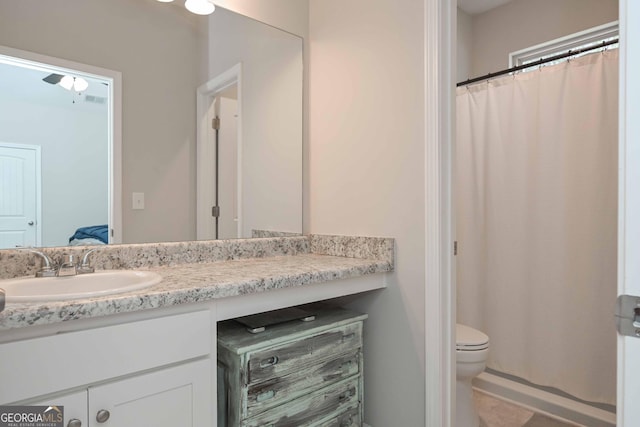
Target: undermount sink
{"points": [[100, 283]]}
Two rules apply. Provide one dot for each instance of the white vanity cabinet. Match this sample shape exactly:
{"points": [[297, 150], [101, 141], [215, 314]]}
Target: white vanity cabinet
{"points": [[177, 396], [153, 373]]}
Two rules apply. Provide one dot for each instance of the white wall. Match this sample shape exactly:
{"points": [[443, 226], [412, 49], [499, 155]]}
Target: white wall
{"points": [[271, 103], [367, 177], [524, 23], [161, 51], [73, 140], [463, 46]]}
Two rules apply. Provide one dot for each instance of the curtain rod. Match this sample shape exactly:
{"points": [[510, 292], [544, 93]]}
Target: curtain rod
{"points": [[538, 62]]}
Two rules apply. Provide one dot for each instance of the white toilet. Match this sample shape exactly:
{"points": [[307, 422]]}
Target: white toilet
{"points": [[472, 348]]}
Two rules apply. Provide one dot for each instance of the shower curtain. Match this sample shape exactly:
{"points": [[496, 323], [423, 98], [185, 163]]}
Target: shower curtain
{"points": [[536, 194]]}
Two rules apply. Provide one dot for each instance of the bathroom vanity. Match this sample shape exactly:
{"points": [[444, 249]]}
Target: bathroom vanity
{"points": [[154, 372], [149, 357]]}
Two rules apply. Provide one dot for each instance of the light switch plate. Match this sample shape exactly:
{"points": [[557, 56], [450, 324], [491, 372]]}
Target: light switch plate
{"points": [[138, 201]]}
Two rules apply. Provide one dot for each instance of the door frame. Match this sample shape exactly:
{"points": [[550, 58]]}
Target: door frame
{"points": [[38, 154], [205, 151], [114, 110], [440, 287], [628, 411]]}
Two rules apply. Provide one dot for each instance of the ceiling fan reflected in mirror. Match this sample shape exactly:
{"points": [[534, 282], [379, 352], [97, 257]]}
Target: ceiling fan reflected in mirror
{"points": [[53, 78]]}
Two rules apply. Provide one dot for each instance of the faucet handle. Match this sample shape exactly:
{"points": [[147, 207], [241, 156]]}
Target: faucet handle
{"points": [[48, 268], [84, 266]]}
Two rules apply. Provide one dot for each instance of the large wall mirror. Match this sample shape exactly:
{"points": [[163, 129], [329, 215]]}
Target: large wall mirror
{"points": [[169, 61]]}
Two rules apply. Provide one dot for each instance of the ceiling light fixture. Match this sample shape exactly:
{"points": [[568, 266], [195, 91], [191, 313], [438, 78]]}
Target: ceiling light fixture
{"points": [[199, 7]]}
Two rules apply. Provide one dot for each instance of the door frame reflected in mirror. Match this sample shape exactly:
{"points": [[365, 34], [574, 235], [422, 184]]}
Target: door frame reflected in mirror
{"points": [[206, 184]]}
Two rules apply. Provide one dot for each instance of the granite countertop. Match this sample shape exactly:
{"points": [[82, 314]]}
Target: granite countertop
{"points": [[198, 282]]}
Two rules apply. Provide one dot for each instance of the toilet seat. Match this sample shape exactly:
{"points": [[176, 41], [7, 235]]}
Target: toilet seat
{"points": [[469, 339]]}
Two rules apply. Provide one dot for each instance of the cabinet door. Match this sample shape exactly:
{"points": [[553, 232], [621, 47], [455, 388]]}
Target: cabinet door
{"points": [[177, 396], [75, 406]]}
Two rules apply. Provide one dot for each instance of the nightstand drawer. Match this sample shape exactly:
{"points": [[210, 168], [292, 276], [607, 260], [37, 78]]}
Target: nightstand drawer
{"points": [[275, 391], [311, 410], [299, 355]]}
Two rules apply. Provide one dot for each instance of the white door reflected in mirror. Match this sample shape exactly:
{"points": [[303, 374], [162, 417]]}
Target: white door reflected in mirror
{"points": [[20, 199]]}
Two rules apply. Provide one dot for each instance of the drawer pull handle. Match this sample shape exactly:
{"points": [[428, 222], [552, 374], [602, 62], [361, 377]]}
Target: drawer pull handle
{"points": [[348, 337], [271, 361], [347, 395], [346, 366], [265, 396]]}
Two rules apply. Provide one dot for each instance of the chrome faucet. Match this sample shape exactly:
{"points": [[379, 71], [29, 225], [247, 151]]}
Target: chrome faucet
{"points": [[68, 265]]}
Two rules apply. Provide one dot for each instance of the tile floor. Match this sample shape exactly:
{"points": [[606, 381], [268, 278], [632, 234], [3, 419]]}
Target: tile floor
{"points": [[498, 413]]}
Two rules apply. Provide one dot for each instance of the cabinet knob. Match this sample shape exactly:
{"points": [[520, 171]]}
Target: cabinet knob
{"points": [[102, 415], [74, 422]]}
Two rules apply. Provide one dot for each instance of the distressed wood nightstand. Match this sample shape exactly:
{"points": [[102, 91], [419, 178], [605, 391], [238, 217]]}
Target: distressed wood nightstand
{"points": [[292, 374]]}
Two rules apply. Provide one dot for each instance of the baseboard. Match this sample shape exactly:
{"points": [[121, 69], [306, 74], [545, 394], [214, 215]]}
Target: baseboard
{"points": [[545, 402]]}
